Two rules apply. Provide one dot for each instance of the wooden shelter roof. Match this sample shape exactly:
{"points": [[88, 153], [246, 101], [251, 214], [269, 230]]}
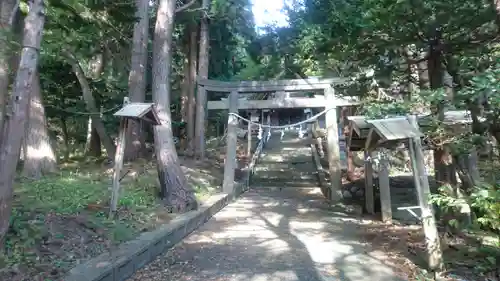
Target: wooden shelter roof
{"points": [[141, 111], [366, 134]]}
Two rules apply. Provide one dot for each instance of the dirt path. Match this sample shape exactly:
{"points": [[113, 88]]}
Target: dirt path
{"points": [[284, 233]]}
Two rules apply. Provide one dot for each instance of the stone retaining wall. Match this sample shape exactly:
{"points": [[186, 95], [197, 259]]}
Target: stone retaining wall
{"points": [[121, 264], [129, 257]]}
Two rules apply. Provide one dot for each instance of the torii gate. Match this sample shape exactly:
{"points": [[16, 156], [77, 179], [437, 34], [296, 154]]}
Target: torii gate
{"points": [[281, 88]]}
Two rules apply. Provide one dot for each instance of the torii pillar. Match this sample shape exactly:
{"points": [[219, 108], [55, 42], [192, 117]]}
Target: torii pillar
{"points": [[333, 146]]}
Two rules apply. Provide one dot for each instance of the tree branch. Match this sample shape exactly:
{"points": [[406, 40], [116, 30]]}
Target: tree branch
{"points": [[185, 6]]}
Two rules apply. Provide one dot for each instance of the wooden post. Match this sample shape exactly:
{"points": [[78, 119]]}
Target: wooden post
{"points": [[319, 140], [435, 255], [385, 190], [333, 145], [268, 122], [249, 136], [231, 144], [200, 123], [471, 165], [120, 151], [369, 193], [118, 164], [217, 129], [309, 126]]}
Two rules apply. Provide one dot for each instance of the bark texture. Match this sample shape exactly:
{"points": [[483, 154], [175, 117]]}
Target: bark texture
{"points": [[15, 120], [40, 157], [175, 190], [191, 110], [8, 11], [201, 100], [90, 104], [137, 78]]}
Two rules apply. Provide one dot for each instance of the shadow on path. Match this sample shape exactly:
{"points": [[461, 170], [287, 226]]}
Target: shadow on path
{"points": [[289, 233]]}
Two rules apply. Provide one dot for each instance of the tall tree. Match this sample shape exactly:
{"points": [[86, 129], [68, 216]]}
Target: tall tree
{"points": [[188, 102], [203, 60], [93, 144], [175, 190], [90, 104], [17, 112], [191, 106], [8, 11], [40, 157], [137, 76]]}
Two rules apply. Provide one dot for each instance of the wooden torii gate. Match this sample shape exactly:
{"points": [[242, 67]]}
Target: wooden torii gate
{"points": [[281, 88]]}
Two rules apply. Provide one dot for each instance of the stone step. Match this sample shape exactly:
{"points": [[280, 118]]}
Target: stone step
{"points": [[288, 178], [285, 173], [256, 184], [286, 188], [281, 181], [285, 164], [279, 158]]}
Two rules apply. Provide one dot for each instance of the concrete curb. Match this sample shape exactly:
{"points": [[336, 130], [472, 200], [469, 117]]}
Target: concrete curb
{"points": [[133, 255]]}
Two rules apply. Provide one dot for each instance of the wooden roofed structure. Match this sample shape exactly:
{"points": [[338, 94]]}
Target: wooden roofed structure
{"points": [[390, 130], [130, 111], [376, 137]]}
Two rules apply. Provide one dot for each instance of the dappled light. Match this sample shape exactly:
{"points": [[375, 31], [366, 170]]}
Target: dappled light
{"points": [[252, 140], [287, 234]]}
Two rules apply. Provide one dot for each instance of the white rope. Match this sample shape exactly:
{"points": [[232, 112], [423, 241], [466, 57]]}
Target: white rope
{"points": [[284, 126]]}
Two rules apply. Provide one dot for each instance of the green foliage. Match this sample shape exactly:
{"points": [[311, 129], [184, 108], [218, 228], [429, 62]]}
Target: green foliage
{"points": [[73, 203], [486, 198], [391, 40]]}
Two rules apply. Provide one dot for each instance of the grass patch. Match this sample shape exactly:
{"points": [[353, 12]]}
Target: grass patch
{"points": [[62, 219]]}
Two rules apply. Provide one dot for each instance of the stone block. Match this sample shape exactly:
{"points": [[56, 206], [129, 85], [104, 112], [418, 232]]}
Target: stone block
{"points": [[107, 277], [124, 268], [142, 258], [97, 269]]}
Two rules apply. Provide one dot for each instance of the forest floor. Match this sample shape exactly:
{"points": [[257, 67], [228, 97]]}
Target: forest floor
{"points": [[62, 219], [469, 255], [466, 256]]}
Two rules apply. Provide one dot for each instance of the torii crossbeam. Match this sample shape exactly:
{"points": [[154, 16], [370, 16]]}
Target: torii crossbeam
{"points": [[330, 101]]}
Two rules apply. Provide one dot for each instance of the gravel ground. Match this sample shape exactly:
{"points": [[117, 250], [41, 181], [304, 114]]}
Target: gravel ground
{"points": [[289, 233]]}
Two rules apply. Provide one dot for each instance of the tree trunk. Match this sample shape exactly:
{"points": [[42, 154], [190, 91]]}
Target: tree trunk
{"points": [[97, 123], [186, 84], [93, 144], [191, 110], [423, 76], [8, 10], [15, 121], [496, 6], [443, 162], [203, 61], [186, 80], [137, 79], [40, 157], [64, 129], [175, 190]]}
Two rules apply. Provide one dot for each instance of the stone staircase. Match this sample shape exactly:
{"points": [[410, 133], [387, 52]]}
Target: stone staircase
{"points": [[286, 163]]}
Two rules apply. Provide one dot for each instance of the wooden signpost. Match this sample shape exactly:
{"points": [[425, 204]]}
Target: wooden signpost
{"points": [[136, 111]]}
